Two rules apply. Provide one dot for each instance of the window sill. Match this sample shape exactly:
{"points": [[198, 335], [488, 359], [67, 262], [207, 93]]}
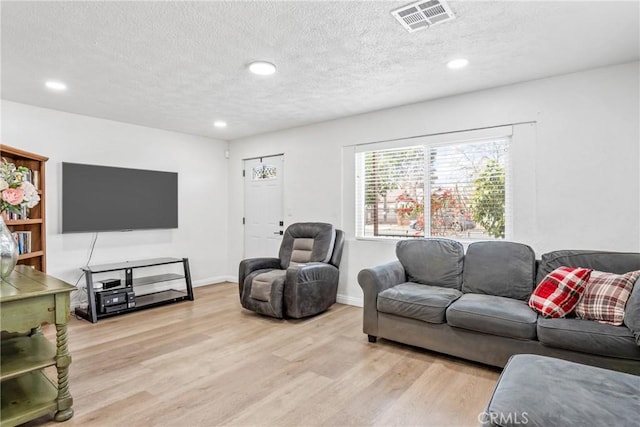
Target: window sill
{"points": [[465, 242]]}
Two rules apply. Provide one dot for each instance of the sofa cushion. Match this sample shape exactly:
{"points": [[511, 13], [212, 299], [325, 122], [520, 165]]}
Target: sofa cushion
{"points": [[614, 262], [503, 269], [586, 336], [417, 301], [436, 262], [632, 312], [506, 317], [559, 292], [605, 297]]}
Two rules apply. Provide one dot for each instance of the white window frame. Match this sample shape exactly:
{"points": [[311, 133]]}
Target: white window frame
{"points": [[429, 142]]}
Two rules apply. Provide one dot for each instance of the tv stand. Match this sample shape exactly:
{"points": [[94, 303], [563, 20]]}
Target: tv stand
{"points": [[126, 290]]}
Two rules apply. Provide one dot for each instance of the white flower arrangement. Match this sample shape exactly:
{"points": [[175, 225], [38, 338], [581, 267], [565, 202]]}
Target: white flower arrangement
{"points": [[16, 191]]}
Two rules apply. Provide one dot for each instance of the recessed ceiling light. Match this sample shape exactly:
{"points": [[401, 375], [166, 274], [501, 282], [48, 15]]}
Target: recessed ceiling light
{"points": [[220, 124], [262, 68], [55, 85], [456, 64]]}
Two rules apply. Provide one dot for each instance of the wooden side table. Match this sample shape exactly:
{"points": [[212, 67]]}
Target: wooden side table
{"points": [[29, 299]]}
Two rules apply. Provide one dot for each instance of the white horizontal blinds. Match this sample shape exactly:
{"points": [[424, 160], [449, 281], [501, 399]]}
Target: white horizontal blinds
{"points": [[390, 192], [467, 188], [467, 183]]}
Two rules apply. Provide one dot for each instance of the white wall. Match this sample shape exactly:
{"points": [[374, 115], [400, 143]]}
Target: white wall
{"points": [[579, 172], [202, 179], [576, 178]]}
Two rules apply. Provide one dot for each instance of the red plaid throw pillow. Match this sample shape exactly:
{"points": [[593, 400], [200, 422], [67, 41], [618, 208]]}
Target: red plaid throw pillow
{"points": [[559, 292], [605, 296]]}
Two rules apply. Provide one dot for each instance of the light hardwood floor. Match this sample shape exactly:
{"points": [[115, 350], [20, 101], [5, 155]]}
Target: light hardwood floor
{"points": [[209, 363]]}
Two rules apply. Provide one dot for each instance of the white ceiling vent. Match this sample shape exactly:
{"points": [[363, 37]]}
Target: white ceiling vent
{"points": [[423, 14]]}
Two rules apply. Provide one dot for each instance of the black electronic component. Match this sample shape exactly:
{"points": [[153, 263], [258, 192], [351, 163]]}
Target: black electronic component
{"points": [[111, 283], [114, 308], [114, 300]]}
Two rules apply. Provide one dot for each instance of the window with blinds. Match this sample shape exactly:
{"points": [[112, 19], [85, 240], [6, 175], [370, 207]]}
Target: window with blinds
{"points": [[465, 183]]}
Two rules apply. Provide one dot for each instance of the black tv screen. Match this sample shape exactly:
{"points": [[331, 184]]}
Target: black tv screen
{"points": [[103, 198]]}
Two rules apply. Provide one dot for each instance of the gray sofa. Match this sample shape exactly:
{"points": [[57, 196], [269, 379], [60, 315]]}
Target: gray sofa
{"points": [[474, 305]]}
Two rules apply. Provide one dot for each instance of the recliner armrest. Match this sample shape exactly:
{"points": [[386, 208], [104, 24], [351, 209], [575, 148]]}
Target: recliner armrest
{"points": [[314, 271], [310, 288], [249, 265]]}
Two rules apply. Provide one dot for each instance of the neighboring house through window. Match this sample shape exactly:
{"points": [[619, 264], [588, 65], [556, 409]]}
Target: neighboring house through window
{"points": [[466, 180]]}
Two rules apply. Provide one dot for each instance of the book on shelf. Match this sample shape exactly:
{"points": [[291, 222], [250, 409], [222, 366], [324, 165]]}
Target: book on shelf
{"points": [[23, 214], [35, 178], [23, 240]]}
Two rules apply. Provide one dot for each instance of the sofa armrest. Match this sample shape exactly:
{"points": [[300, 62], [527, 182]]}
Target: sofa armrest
{"points": [[632, 312], [249, 265], [373, 281], [310, 289]]}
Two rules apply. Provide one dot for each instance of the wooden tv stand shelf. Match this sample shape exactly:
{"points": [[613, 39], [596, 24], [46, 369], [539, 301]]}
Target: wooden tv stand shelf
{"points": [[123, 299]]}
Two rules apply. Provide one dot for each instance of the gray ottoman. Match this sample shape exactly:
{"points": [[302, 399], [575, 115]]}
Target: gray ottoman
{"points": [[543, 391]]}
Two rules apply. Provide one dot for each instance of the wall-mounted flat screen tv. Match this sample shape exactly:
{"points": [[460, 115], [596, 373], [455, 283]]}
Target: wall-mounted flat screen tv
{"points": [[104, 198]]}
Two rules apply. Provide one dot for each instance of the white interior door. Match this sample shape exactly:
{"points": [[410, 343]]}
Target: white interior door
{"points": [[263, 206]]}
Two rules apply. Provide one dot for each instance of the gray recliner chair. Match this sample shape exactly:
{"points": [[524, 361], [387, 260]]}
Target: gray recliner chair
{"points": [[302, 281]]}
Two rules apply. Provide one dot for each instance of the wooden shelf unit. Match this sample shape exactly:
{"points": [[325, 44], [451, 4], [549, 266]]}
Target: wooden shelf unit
{"points": [[36, 223], [142, 301], [24, 354], [29, 299]]}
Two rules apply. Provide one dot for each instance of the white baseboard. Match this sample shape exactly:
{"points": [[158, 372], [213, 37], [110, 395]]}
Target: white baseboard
{"points": [[196, 283], [344, 299], [213, 280]]}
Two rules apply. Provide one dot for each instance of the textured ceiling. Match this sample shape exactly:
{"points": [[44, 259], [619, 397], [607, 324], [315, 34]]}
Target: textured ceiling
{"points": [[181, 65]]}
